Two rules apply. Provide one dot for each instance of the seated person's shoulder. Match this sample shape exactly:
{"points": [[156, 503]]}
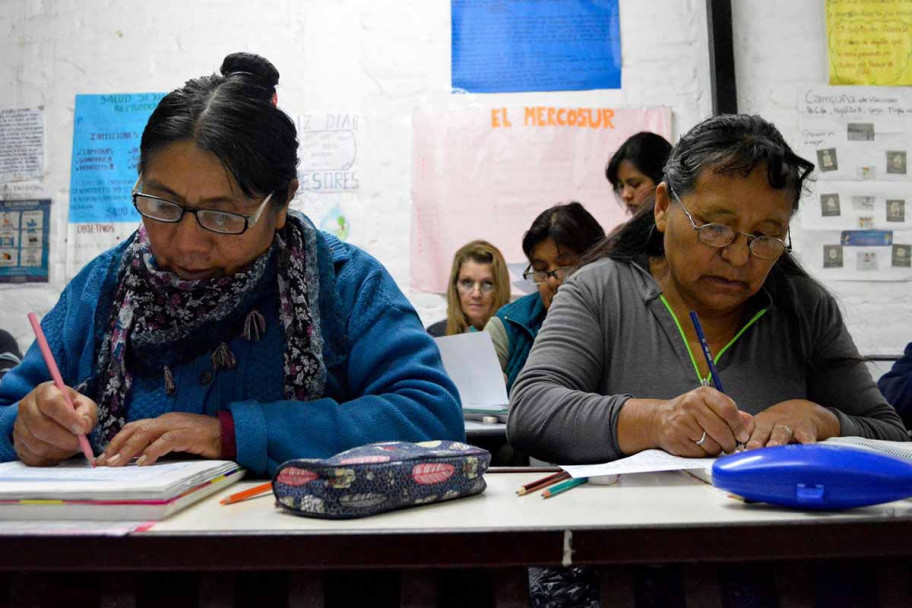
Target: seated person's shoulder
{"points": [[437, 329], [360, 276], [605, 274]]}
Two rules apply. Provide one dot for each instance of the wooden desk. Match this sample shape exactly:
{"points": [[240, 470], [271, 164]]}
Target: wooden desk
{"points": [[643, 519]]}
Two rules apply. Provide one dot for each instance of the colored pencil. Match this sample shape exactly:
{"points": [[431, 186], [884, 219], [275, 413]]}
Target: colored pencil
{"points": [[564, 486], [58, 380], [543, 483], [259, 490]]}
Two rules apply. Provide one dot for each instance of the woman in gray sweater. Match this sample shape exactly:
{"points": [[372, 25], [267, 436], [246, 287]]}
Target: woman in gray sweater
{"points": [[617, 367]]}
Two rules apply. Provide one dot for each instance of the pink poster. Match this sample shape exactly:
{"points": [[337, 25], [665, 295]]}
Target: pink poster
{"points": [[483, 173]]}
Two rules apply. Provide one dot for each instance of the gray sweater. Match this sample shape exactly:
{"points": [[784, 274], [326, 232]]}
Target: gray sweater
{"points": [[608, 337]]}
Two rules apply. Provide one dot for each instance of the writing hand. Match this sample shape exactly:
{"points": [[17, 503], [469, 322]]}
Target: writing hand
{"points": [[46, 427], [679, 424]]}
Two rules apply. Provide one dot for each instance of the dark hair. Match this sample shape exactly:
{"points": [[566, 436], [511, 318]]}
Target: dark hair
{"points": [[726, 144], [234, 116], [570, 225], [647, 152]]}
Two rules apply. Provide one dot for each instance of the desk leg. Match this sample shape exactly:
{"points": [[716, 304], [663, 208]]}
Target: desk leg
{"points": [[616, 587], [306, 590]]}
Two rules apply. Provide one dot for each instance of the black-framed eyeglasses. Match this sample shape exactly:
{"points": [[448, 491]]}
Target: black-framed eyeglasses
{"points": [[542, 276], [720, 235], [221, 222]]}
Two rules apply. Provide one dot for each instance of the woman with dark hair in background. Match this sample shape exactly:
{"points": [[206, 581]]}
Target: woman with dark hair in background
{"points": [[553, 245], [617, 367], [479, 285], [636, 168], [227, 326]]}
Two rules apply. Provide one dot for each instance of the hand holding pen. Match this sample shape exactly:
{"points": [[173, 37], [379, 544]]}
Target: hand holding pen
{"points": [[53, 419]]}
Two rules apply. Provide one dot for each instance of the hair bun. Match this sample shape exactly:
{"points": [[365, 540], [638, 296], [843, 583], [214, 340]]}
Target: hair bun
{"points": [[263, 72]]}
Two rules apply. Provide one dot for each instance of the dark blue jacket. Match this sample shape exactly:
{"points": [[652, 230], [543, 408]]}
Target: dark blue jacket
{"points": [[896, 386]]}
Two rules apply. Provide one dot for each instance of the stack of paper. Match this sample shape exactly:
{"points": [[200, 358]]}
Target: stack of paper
{"points": [[74, 490]]}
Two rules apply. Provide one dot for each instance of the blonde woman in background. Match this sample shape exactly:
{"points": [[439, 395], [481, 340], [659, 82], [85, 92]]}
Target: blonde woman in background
{"points": [[479, 285]]}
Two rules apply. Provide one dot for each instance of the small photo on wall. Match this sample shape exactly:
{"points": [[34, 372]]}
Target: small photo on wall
{"points": [[832, 256], [829, 205], [896, 161], [896, 210], [826, 159], [860, 131], [902, 256], [866, 261]]}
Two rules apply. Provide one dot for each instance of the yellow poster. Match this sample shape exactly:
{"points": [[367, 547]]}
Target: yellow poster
{"points": [[870, 41]]}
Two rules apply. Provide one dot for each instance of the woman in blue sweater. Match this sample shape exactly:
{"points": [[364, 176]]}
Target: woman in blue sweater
{"points": [[227, 326]]}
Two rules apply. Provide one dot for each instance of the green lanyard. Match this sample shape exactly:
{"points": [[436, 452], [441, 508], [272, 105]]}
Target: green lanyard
{"points": [[706, 381]]}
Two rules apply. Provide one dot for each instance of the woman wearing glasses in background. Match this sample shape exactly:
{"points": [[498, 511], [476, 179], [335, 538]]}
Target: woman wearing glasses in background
{"points": [[553, 245], [617, 368], [479, 285], [227, 326]]}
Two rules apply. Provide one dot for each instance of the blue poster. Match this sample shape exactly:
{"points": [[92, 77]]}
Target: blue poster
{"points": [[106, 133], [504, 46], [24, 230]]}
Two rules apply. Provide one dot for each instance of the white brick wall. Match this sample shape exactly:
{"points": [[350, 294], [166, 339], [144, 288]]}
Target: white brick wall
{"points": [[381, 58], [780, 46]]}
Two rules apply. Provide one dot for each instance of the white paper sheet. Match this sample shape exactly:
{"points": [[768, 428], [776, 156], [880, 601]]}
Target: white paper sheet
{"points": [[647, 461], [472, 363]]}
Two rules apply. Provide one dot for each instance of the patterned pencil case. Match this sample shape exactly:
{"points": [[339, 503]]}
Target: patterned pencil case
{"points": [[380, 477]]}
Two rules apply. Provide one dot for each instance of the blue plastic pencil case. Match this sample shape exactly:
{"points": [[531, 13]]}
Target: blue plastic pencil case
{"points": [[816, 477], [380, 477]]}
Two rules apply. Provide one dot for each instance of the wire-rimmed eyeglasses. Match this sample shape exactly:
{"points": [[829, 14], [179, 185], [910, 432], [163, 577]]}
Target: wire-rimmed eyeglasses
{"points": [[718, 235]]}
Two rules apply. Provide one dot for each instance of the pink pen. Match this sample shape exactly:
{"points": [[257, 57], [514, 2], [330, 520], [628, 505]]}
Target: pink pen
{"points": [[58, 380]]}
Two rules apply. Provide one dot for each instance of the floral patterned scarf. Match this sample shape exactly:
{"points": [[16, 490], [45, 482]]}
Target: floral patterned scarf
{"points": [[159, 321]]}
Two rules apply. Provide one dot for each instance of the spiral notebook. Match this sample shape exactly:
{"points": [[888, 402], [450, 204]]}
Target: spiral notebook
{"points": [[74, 490]]}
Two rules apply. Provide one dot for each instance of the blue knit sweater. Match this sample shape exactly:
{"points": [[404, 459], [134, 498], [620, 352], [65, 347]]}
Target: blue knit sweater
{"points": [[385, 379], [896, 386]]}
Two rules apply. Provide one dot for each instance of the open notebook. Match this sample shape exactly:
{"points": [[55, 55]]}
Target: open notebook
{"points": [[74, 490], [470, 360]]}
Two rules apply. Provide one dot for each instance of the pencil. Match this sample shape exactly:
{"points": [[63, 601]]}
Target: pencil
{"points": [[58, 380], [564, 486], [543, 483], [713, 372], [264, 488]]}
